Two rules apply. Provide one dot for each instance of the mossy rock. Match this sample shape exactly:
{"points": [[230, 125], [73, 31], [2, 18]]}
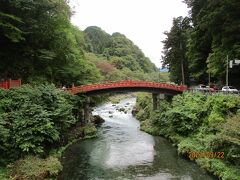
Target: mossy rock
{"points": [[98, 119]]}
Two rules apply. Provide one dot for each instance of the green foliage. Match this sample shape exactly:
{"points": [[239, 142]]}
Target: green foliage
{"points": [[39, 44], [185, 112], [204, 41], [199, 123], [33, 119], [143, 106], [8, 27], [221, 105], [32, 167], [89, 131], [97, 39], [175, 48], [127, 59], [4, 173], [190, 111], [219, 168], [113, 70], [228, 140], [214, 36]]}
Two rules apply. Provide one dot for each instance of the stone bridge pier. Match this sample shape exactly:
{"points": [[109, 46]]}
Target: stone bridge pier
{"points": [[156, 98]]}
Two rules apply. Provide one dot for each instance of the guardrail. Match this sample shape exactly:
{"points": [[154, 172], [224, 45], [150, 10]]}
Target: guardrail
{"points": [[213, 92], [10, 83]]}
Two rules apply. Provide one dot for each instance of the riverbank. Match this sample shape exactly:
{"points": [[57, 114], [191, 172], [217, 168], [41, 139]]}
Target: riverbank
{"points": [[198, 123], [35, 167]]}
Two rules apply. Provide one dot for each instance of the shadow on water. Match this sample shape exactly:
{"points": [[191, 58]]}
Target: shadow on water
{"points": [[122, 151]]}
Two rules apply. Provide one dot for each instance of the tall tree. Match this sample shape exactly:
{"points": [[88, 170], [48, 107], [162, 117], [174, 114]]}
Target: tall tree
{"points": [[38, 43], [175, 48], [215, 36]]}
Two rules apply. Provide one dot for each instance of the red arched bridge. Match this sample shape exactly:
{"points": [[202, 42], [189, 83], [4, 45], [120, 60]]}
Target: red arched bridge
{"points": [[118, 86], [129, 86]]}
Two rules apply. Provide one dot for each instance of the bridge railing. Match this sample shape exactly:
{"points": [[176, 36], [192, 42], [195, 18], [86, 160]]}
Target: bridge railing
{"points": [[10, 83], [126, 83]]}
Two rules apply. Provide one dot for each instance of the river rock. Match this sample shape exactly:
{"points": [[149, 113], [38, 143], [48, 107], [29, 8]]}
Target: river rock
{"points": [[97, 119], [134, 112], [121, 109]]}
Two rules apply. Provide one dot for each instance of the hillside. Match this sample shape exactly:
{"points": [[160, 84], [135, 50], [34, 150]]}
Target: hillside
{"points": [[117, 51]]}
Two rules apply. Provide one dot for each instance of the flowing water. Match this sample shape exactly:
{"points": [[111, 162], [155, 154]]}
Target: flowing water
{"points": [[122, 151]]}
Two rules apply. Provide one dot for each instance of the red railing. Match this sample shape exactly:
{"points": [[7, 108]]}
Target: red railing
{"points": [[10, 83], [126, 84]]}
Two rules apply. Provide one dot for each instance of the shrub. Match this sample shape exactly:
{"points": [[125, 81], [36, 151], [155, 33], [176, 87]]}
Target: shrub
{"points": [[183, 116], [32, 167], [201, 123], [34, 118]]}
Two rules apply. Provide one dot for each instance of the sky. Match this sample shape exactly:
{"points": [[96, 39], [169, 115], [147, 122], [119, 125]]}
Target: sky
{"points": [[142, 21]]}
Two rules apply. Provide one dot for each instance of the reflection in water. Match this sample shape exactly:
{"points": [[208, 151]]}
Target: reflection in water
{"points": [[122, 151]]}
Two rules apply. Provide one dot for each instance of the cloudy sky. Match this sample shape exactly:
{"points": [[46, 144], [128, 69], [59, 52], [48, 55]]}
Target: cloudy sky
{"points": [[142, 21]]}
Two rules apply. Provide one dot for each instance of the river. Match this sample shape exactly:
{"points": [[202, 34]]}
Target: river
{"points": [[122, 151]]}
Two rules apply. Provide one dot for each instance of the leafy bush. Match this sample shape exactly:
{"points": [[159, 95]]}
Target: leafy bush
{"points": [[33, 119], [144, 106], [200, 123], [228, 140], [219, 106], [219, 168]]}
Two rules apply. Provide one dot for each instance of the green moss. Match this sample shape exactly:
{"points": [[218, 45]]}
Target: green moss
{"points": [[89, 131]]}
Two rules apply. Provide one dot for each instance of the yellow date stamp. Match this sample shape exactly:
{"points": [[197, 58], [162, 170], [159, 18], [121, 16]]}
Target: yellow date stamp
{"points": [[196, 155]]}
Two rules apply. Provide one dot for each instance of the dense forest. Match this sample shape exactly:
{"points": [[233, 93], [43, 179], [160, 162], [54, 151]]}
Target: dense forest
{"points": [[200, 44], [39, 44], [117, 57]]}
